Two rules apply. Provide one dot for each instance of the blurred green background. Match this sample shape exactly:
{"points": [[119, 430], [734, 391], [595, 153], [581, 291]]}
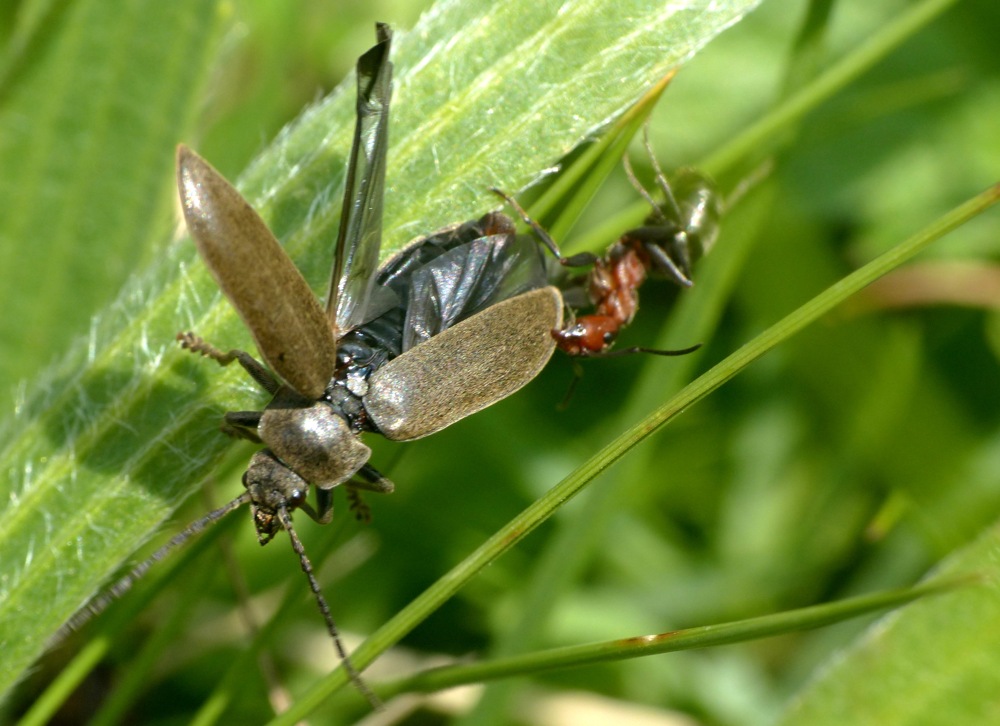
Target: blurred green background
{"points": [[857, 457]]}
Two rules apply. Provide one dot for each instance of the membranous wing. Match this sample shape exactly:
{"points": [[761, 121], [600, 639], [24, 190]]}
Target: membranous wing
{"points": [[458, 273], [435, 282], [360, 235], [473, 326]]}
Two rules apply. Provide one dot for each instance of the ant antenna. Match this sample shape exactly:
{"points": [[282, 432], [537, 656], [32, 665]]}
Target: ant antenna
{"points": [[637, 185], [563, 405], [331, 627], [639, 349], [100, 603], [661, 178]]}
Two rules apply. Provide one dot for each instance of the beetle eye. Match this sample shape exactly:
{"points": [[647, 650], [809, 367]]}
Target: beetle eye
{"points": [[297, 497]]}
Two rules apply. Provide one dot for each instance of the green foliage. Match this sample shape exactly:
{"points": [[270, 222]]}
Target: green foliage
{"points": [[854, 457]]}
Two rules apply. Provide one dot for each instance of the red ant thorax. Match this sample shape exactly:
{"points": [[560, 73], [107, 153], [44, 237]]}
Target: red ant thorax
{"points": [[675, 235], [614, 290]]}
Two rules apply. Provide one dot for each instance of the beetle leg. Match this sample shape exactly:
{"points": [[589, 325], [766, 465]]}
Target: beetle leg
{"points": [[369, 479], [324, 506], [242, 425], [372, 481], [323, 513], [358, 505], [257, 371]]}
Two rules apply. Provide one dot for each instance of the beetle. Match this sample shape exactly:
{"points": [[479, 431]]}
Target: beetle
{"points": [[455, 322], [460, 332], [675, 235]]}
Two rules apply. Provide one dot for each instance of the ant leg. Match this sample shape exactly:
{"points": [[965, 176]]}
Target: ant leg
{"points": [[577, 377], [637, 185], [680, 271], [661, 181], [579, 260]]}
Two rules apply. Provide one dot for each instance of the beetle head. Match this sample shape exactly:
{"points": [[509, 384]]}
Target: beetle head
{"points": [[271, 485]]}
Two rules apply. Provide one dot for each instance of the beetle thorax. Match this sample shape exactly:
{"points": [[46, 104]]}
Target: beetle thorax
{"points": [[312, 440]]}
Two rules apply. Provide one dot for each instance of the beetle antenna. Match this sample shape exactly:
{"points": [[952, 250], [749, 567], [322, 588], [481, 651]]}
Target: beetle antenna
{"points": [[100, 603], [331, 627]]}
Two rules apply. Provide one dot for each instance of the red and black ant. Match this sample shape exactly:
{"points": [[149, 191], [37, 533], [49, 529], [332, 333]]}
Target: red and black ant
{"points": [[675, 235]]}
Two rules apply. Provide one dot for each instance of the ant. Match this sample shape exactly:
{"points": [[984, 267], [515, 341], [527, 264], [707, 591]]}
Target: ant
{"points": [[675, 235]]}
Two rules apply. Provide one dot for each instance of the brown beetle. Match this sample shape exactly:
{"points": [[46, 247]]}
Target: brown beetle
{"points": [[450, 325]]}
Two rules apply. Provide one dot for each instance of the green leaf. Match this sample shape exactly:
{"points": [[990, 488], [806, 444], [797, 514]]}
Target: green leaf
{"points": [[93, 98], [935, 662]]}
